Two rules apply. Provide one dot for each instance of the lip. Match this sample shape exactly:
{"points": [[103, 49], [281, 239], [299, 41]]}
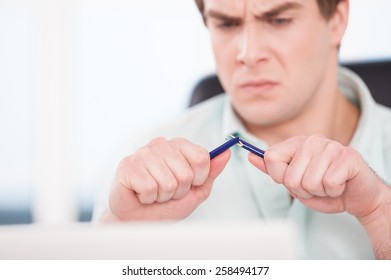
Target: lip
{"points": [[258, 87], [258, 84]]}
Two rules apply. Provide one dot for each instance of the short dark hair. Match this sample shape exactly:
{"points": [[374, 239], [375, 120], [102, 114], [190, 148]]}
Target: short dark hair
{"points": [[326, 7]]}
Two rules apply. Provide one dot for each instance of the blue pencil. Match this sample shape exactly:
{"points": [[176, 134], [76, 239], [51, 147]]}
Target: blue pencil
{"points": [[223, 147], [251, 148]]}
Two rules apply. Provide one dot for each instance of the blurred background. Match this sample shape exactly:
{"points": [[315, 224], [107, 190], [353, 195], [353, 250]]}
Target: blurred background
{"points": [[80, 78]]}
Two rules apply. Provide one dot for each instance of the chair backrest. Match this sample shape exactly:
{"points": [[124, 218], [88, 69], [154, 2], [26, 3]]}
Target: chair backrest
{"points": [[376, 74], [205, 88]]}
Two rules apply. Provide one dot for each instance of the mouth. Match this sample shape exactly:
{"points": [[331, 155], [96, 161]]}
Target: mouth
{"points": [[258, 87]]}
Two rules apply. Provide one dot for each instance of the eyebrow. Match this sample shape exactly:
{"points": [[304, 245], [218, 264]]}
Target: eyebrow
{"points": [[280, 9], [221, 16], [268, 14]]}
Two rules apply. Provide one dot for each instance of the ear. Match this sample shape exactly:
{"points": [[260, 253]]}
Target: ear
{"points": [[339, 22]]}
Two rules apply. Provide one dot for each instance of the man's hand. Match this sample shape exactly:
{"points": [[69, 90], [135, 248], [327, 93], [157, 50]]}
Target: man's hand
{"points": [[323, 174], [329, 177], [166, 179]]}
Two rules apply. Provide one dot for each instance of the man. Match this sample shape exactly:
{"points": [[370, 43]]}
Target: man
{"points": [[278, 63]]}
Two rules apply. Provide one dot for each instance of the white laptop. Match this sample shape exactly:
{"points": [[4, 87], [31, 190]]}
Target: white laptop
{"points": [[160, 241]]}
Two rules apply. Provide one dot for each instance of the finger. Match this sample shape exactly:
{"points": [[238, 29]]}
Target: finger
{"points": [[197, 157], [314, 175], [182, 172], [278, 157], [295, 172], [152, 157], [132, 175], [340, 171], [258, 162], [166, 181], [168, 166], [305, 172], [217, 165], [287, 163], [198, 194]]}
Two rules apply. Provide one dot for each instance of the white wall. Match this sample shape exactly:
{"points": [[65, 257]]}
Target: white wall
{"points": [[86, 76], [367, 37]]}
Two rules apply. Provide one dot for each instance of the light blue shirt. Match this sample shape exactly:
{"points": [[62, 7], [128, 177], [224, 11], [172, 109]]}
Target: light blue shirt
{"points": [[242, 192]]}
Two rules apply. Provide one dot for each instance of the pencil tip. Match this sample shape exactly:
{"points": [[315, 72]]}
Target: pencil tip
{"points": [[232, 136]]}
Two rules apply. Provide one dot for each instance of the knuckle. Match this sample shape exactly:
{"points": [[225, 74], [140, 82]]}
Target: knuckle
{"points": [[270, 156], [331, 183], [297, 139], [186, 177], [335, 145], [335, 191], [329, 180], [317, 137], [278, 180], [335, 148], [200, 158], [170, 185], [312, 186], [351, 153], [292, 184], [142, 152], [315, 140], [126, 163], [348, 154], [158, 141], [179, 141], [146, 199], [150, 188]]}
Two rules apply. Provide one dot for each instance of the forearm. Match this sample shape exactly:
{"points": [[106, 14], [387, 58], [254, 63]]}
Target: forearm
{"points": [[378, 226]]}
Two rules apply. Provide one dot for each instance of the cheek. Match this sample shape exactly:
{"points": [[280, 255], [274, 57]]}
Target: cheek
{"points": [[225, 65], [311, 50]]}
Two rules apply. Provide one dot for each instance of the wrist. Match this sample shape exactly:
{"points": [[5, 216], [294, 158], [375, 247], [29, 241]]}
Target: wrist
{"points": [[380, 209], [377, 224]]}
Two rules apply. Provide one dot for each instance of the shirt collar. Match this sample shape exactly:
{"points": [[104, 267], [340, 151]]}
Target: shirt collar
{"points": [[231, 122], [367, 139], [357, 92], [233, 125]]}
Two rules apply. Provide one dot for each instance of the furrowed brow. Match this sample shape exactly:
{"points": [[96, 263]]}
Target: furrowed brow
{"points": [[220, 16], [279, 9]]}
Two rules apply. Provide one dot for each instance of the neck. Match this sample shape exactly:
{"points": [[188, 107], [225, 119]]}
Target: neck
{"points": [[330, 115]]}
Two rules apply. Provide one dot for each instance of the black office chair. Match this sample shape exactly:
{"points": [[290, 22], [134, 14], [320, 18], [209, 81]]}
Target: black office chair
{"points": [[376, 74]]}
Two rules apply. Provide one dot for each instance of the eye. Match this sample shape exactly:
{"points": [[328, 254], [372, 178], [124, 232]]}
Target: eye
{"points": [[280, 21], [228, 24]]}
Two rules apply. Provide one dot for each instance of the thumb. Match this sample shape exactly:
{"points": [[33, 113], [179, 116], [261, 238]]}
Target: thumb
{"points": [[217, 165], [258, 162]]}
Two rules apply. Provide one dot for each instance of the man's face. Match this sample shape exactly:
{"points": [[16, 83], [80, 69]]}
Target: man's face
{"points": [[272, 56]]}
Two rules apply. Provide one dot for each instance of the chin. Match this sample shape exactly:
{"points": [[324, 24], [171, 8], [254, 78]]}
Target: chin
{"points": [[262, 117]]}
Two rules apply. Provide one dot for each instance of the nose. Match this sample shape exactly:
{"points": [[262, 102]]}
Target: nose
{"points": [[252, 48]]}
